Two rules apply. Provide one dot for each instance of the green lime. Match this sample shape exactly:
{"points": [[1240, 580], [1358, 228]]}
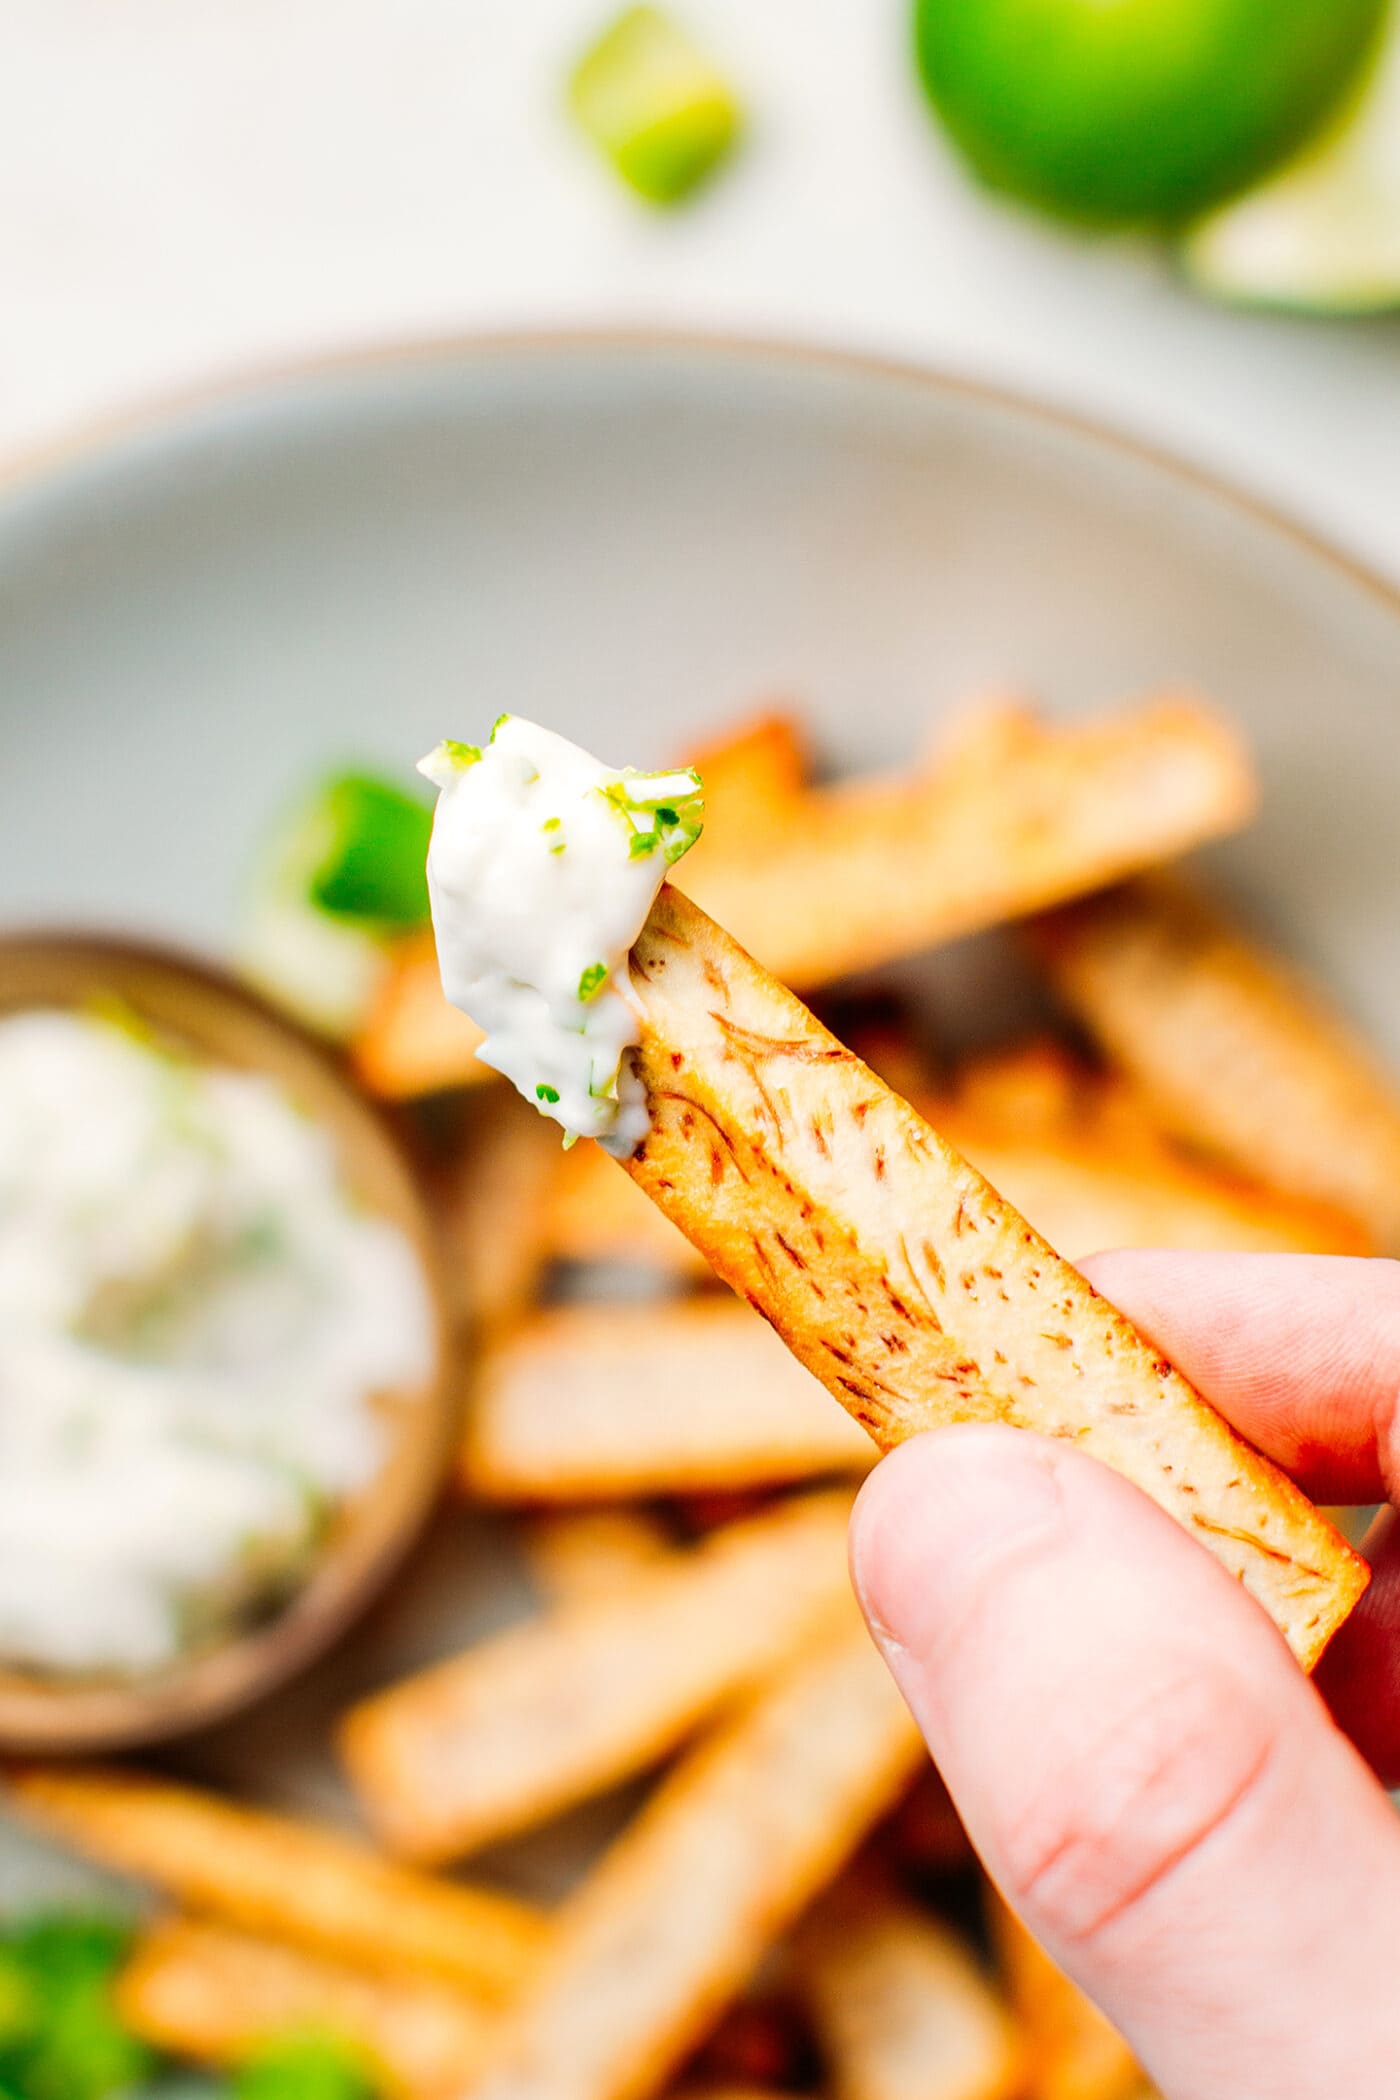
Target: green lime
{"points": [[1324, 232], [1135, 111]]}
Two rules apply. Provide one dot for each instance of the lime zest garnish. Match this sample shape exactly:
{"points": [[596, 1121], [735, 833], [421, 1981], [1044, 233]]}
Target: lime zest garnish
{"points": [[447, 759], [547, 1093], [591, 981], [659, 809], [497, 724]]}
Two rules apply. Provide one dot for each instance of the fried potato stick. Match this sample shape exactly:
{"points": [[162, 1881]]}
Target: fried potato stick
{"points": [[839, 879], [490, 1199], [726, 1853], [1084, 1161], [1075, 2052], [591, 1215], [904, 1281], [579, 1555], [592, 1402], [1080, 1156], [868, 871], [412, 1042], [277, 1875], [215, 1996], [902, 2009], [550, 1712], [1233, 1047]]}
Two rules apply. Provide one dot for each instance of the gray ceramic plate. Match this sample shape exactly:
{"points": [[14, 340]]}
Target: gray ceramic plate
{"points": [[631, 539]]}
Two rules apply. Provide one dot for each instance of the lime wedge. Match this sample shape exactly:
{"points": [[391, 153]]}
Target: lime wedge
{"points": [[341, 874], [655, 104], [1324, 234]]}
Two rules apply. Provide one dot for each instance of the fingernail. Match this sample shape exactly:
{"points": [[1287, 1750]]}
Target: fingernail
{"points": [[935, 1520]]}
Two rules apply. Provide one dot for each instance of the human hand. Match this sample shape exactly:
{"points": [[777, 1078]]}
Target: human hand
{"points": [[1165, 1799]]}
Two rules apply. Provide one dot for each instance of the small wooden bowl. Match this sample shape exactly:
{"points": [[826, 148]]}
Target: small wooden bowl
{"points": [[208, 1013]]}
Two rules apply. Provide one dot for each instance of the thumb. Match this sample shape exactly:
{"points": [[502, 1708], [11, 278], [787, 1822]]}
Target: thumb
{"points": [[1149, 1778]]}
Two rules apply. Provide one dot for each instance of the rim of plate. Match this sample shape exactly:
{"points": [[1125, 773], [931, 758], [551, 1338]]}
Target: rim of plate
{"points": [[28, 472]]}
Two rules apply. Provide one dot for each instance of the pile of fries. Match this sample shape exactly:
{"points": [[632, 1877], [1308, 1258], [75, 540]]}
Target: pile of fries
{"points": [[794, 1906]]}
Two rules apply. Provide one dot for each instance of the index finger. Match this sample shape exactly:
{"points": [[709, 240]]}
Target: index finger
{"points": [[1300, 1351]]}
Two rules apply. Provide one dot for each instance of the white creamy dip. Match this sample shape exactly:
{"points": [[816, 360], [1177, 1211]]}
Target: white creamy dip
{"points": [[194, 1320], [543, 867]]}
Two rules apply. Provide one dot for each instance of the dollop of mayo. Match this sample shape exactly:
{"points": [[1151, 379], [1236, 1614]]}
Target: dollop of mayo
{"points": [[542, 869], [194, 1322]]}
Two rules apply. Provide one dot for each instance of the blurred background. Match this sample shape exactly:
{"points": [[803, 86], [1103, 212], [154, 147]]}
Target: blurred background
{"points": [[196, 190]]}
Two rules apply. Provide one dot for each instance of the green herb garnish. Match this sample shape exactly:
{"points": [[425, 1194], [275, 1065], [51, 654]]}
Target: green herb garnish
{"points": [[547, 1093], [60, 2037], [591, 981], [497, 724], [305, 2067]]}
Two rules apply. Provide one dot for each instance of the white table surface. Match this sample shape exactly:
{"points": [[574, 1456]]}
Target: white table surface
{"points": [[194, 188]]}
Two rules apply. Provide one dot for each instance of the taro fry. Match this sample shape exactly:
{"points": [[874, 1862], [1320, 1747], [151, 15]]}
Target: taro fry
{"points": [[1234, 1048], [216, 1996], [896, 1273], [590, 1402], [548, 1713], [578, 1555], [902, 2009], [280, 1876], [731, 1847], [1017, 816]]}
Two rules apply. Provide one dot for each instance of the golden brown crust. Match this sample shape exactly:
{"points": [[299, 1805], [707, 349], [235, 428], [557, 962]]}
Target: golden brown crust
{"points": [[1012, 817], [725, 1854], [567, 1704], [901, 2007], [1233, 1047], [274, 1874], [867, 871], [905, 1283], [582, 1554], [1081, 1157], [591, 1402], [209, 1994], [412, 1042]]}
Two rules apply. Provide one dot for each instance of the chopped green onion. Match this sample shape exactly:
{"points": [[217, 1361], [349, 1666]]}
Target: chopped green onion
{"points": [[547, 1093], [592, 980], [655, 104]]}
